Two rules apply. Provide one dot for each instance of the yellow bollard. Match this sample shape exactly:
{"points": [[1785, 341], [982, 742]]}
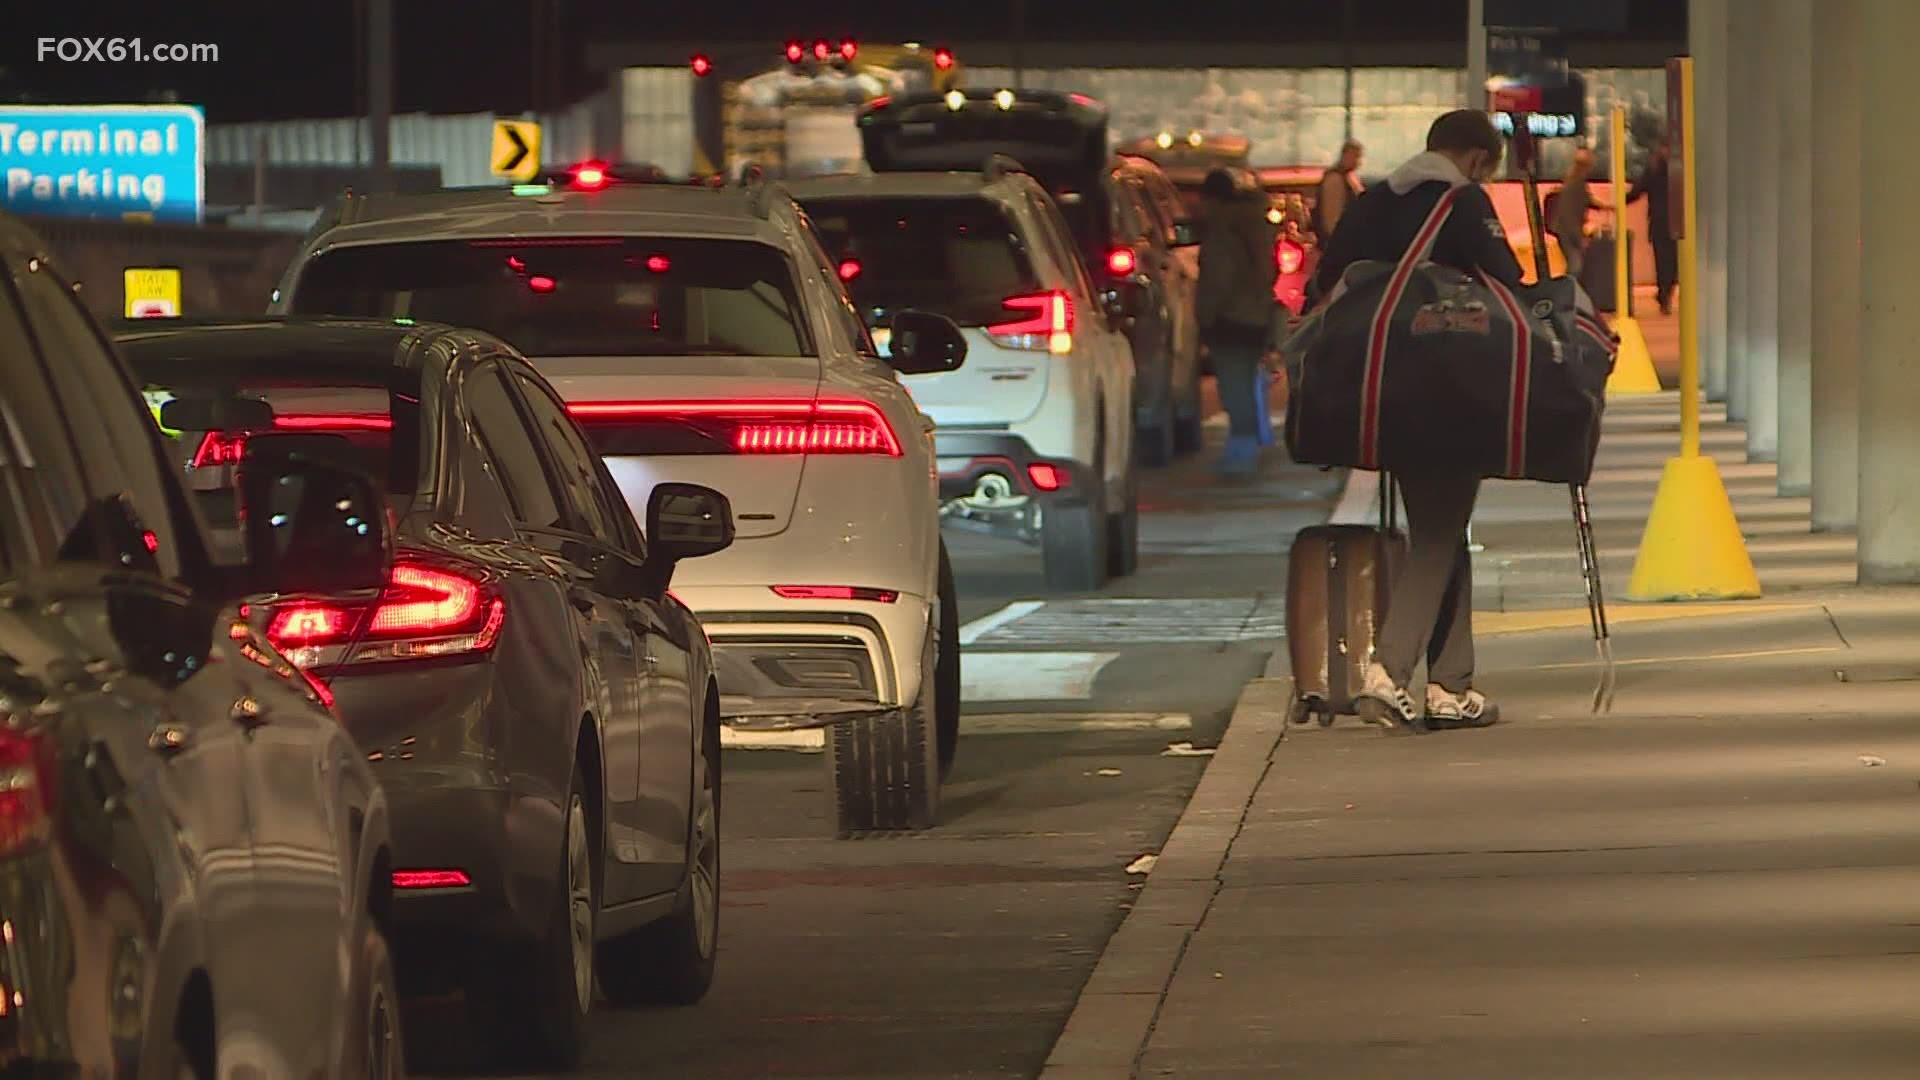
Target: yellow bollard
{"points": [[1633, 366], [1692, 548]]}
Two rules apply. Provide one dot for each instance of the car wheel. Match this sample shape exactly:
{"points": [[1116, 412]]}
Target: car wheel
{"points": [[533, 1008], [1073, 539], [1123, 532], [884, 770], [379, 1051], [946, 679], [671, 962]]}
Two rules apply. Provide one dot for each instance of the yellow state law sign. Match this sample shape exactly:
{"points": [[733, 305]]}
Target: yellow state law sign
{"points": [[516, 150], [153, 292]]}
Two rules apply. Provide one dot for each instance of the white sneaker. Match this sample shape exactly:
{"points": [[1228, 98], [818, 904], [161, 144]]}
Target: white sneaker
{"points": [[1446, 709], [1383, 702]]}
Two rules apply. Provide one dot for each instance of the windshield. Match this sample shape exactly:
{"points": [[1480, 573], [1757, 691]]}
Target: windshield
{"points": [[960, 257], [374, 411], [574, 296]]}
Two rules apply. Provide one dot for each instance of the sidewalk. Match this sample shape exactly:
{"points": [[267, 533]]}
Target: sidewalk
{"points": [[1720, 879]]}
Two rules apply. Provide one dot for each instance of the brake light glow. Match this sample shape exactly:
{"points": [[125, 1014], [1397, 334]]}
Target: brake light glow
{"points": [[1048, 323], [943, 58], [702, 66], [821, 50], [541, 283], [26, 790], [427, 611], [835, 592], [1121, 262], [430, 879], [849, 269], [849, 49], [219, 448], [795, 52], [1289, 256], [591, 176], [1046, 477], [758, 427], [659, 264]]}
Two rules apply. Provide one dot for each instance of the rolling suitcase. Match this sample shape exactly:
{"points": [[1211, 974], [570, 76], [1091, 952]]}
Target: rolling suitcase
{"points": [[1338, 577]]}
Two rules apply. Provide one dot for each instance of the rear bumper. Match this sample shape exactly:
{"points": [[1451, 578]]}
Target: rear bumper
{"points": [[791, 665], [992, 482]]}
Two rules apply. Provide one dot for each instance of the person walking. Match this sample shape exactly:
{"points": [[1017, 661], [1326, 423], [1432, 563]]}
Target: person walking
{"points": [[1567, 211], [1339, 186], [1430, 606], [1666, 250], [1236, 308]]}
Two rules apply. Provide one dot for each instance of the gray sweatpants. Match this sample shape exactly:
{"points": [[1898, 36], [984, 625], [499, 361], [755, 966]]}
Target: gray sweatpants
{"points": [[1430, 610]]}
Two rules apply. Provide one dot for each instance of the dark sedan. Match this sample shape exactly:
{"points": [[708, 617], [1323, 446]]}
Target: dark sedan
{"points": [[194, 856], [541, 711]]}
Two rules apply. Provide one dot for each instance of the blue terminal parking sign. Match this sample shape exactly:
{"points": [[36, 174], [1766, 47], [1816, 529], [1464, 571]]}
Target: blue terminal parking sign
{"points": [[111, 161]]}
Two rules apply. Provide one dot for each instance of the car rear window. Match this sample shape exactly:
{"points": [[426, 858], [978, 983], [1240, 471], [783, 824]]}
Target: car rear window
{"points": [[960, 257], [374, 409], [575, 296]]}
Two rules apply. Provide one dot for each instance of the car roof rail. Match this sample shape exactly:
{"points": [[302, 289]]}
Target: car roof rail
{"points": [[760, 190], [999, 165]]}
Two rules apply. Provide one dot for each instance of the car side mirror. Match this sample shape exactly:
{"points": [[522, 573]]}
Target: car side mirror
{"points": [[1185, 235], [923, 343], [311, 521], [687, 521]]}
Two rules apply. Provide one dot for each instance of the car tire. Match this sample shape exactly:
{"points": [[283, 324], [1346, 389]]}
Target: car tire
{"points": [[1073, 539], [672, 961], [884, 770], [379, 1052], [1123, 532], [946, 669], [531, 1008]]}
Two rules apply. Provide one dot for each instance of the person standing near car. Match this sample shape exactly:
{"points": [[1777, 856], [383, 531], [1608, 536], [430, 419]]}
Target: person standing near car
{"points": [[1236, 308], [1430, 606], [1339, 186], [1666, 251]]}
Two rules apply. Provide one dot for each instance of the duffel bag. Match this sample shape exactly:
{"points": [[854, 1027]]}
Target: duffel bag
{"points": [[1411, 363]]}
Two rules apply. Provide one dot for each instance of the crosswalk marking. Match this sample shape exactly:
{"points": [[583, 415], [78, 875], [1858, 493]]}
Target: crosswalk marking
{"points": [[1031, 676], [1131, 621]]}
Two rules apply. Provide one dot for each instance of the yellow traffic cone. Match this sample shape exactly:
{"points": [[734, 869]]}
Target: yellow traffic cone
{"points": [[1692, 548], [1633, 366]]}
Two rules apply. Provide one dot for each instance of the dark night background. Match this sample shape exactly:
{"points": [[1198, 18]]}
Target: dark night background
{"points": [[480, 55]]}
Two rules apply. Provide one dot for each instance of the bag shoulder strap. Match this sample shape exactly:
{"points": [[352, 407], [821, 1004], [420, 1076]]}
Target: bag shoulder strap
{"points": [[1422, 246]]}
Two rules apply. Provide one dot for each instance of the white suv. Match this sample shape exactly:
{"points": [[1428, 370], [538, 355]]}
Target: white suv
{"points": [[1035, 432]]}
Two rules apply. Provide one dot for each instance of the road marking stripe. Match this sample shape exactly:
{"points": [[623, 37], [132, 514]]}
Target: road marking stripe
{"points": [[1644, 661], [1520, 622], [1031, 676], [988, 623]]}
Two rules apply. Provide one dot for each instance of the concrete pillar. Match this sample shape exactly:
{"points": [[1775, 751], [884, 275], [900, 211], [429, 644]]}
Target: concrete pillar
{"points": [[1836, 267], [1742, 76], [1890, 291], [1760, 168], [1793, 46], [1707, 43]]}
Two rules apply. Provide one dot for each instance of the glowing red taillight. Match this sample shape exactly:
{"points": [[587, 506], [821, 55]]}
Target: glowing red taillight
{"points": [[220, 448], [849, 269], [430, 879], [623, 428], [27, 778], [1121, 262], [230, 447], [428, 611], [835, 592], [1289, 256], [1046, 477], [1048, 323]]}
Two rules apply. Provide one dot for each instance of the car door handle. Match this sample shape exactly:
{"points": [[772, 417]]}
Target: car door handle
{"points": [[169, 738]]}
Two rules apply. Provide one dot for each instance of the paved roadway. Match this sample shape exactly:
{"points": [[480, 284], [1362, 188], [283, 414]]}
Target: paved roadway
{"points": [[958, 952]]}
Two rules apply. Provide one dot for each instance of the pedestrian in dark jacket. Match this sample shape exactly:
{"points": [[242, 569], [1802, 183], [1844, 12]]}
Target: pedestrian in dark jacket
{"points": [[1666, 251], [1430, 612], [1236, 308]]}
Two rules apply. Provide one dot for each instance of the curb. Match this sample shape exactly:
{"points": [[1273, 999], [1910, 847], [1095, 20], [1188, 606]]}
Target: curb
{"points": [[1115, 1013]]}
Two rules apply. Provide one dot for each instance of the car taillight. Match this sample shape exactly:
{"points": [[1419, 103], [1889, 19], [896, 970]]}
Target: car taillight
{"points": [[428, 611], [1121, 262], [26, 790], [1048, 323], [849, 269], [1289, 256], [630, 428], [431, 879], [834, 592], [219, 448]]}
